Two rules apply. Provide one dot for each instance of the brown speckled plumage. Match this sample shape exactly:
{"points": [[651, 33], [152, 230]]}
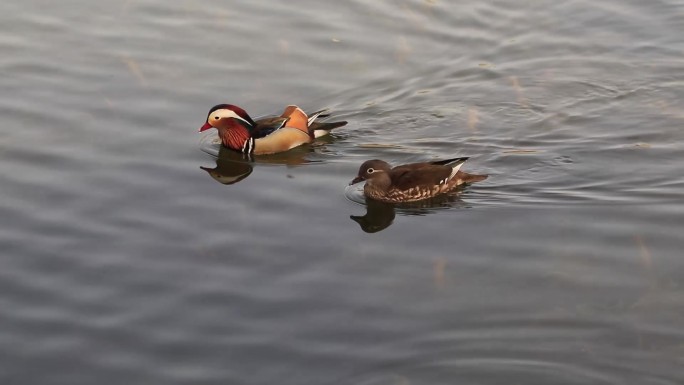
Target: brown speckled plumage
{"points": [[412, 182]]}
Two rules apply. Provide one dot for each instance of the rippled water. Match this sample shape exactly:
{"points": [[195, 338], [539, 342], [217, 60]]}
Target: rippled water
{"points": [[125, 262]]}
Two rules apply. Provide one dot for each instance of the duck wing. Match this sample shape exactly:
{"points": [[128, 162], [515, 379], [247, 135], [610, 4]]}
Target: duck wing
{"points": [[266, 126], [408, 176]]}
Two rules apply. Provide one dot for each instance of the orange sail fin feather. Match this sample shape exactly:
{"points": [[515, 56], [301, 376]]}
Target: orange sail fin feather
{"points": [[296, 119]]}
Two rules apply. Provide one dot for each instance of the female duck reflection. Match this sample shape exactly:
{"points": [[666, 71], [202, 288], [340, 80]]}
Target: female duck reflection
{"points": [[233, 167], [380, 215]]}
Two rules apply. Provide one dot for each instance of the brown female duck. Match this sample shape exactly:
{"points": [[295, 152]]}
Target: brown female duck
{"points": [[414, 181]]}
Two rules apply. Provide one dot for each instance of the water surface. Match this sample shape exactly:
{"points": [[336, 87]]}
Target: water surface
{"points": [[125, 262]]}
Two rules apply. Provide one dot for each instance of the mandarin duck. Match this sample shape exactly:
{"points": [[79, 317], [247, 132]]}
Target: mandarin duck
{"points": [[414, 181], [269, 135]]}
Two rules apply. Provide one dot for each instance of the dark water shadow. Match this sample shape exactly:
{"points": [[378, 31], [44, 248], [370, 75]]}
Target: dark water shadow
{"points": [[233, 167], [381, 215], [229, 171]]}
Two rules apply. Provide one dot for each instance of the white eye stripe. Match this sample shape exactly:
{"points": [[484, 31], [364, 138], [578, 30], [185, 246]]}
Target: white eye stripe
{"points": [[229, 114]]}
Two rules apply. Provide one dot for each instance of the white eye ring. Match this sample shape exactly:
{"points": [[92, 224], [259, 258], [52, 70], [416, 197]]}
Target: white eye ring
{"points": [[370, 170]]}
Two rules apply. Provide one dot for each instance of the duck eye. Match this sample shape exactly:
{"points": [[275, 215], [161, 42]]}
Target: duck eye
{"points": [[370, 170], [216, 117]]}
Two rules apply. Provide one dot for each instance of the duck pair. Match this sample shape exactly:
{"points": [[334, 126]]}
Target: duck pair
{"points": [[273, 134]]}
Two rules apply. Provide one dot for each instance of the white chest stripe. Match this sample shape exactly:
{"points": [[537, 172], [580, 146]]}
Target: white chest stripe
{"points": [[248, 146]]}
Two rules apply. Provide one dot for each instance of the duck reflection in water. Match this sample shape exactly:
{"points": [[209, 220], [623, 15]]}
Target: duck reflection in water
{"points": [[233, 167], [229, 171], [380, 215]]}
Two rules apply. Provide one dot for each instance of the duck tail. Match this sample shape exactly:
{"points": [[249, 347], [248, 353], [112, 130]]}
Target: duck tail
{"points": [[322, 129], [470, 178], [318, 114], [317, 129]]}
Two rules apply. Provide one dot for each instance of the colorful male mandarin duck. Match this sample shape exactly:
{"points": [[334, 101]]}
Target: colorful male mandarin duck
{"points": [[239, 132], [412, 182]]}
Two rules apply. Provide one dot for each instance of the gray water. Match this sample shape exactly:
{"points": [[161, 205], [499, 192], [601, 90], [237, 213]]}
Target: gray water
{"points": [[124, 262]]}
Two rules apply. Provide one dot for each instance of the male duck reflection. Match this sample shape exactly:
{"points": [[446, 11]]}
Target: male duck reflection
{"points": [[228, 171], [231, 167], [269, 135], [412, 182]]}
